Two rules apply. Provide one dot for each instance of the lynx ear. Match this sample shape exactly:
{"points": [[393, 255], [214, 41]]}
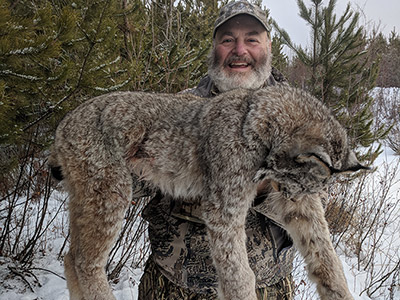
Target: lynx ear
{"points": [[351, 164], [323, 166], [318, 166]]}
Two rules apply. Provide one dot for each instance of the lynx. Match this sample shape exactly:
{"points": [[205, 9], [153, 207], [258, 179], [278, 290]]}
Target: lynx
{"points": [[218, 151]]}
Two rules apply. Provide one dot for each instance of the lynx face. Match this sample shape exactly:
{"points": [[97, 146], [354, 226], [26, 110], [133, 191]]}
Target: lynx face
{"points": [[308, 172]]}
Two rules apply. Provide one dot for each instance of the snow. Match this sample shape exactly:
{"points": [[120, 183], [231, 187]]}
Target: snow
{"points": [[46, 278], [49, 272]]}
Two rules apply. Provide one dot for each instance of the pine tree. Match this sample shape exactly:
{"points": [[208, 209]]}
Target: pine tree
{"points": [[30, 75], [340, 74], [389, 75], [52, 57], [377, 46], [170, 51], [279, 58]]}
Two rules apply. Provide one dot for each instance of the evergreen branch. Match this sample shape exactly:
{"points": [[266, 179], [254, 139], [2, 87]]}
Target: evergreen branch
{"points": [[286, 39], [50, 110], [92, 44], [22, 76], [304, 12], [113, 88]]}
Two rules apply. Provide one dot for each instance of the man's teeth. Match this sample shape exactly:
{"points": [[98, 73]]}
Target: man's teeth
{"points": [[239, 64]]}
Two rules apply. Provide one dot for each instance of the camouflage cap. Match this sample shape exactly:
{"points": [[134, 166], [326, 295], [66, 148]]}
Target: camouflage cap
{"points": [[235, 8]]}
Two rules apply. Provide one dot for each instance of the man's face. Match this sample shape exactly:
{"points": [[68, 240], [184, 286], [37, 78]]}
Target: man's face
{"points": [[241, 56]]}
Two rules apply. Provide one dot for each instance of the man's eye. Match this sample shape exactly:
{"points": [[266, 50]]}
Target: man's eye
{"points": [[227, 41]]}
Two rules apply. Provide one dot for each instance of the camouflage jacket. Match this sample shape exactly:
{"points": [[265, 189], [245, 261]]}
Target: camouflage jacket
{"points": [[179, 241]]}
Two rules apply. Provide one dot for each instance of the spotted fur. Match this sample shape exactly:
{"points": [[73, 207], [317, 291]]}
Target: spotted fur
{"points": [[218, 150]]}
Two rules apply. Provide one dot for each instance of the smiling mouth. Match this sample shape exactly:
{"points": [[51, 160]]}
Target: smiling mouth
{"points": [[239, 65]]}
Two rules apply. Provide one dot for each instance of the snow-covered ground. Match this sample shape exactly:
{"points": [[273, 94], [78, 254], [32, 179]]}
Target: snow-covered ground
{"points": [[45, 280]]}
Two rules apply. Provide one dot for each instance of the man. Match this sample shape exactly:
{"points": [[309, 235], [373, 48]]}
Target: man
{"points": [[180, 266]]}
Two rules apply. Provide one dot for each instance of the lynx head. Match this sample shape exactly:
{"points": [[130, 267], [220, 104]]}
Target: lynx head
{"points": [[307, 145], [302, 167]]}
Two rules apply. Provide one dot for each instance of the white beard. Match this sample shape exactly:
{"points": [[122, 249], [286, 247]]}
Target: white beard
{"points": [[252, 80]]}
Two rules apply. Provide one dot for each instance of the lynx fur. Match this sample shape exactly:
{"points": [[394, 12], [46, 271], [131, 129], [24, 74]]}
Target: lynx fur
{"points": [[218, 150]]}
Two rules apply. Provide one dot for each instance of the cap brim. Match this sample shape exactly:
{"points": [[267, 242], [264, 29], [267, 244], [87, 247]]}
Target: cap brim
{"points": [[266, 26]]}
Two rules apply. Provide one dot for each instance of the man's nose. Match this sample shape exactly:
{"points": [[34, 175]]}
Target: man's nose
{"points": [[240, 48]]}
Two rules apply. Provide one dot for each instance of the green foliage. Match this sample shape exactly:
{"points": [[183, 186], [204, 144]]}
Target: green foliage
{"points": [[27, 50], [338, 69], [169, 53], [57, 54], [387, 52], [279, 58]]}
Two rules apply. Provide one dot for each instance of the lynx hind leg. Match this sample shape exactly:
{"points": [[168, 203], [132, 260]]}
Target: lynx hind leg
{"points": [[227, 236], [305, 222], [96, 209]]}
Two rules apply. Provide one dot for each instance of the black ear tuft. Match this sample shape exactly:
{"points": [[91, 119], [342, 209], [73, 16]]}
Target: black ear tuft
{"points": [[356, 168], [352, 164], [56, 173]]}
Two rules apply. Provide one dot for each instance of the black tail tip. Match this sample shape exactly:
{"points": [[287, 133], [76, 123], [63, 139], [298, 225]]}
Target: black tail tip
{"points": [[56, 173]]}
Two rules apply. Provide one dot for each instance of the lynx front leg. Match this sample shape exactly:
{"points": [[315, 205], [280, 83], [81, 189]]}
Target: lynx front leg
{"points": [[226, 232], [306, 224]]}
